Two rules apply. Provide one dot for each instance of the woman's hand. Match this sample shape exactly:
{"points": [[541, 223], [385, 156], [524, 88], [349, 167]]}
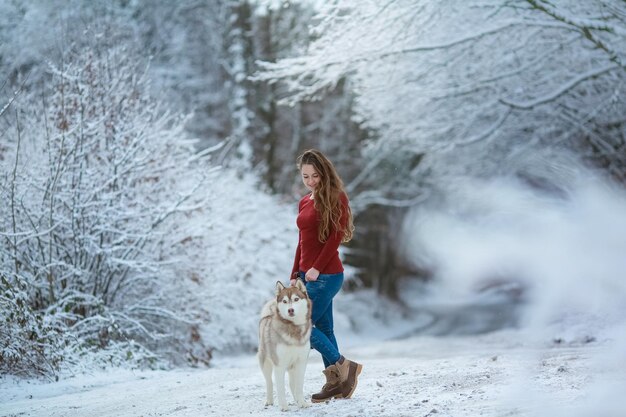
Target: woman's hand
{"points": [[294, 278], [312, 274]]}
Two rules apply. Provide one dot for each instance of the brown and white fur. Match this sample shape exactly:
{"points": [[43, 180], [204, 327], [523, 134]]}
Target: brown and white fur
{"points": [[284, 342]]}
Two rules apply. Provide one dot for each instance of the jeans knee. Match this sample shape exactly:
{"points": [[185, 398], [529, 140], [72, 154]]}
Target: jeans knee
{"points": [[324, 328]]}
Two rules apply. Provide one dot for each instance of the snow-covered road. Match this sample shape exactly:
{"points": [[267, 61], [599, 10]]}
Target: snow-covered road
{"points": [[493, 375]]}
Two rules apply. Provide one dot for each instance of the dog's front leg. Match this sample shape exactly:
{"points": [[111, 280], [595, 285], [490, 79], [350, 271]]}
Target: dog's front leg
{"points": [[269, 389], [297, 387], [293, 383], [279, 379]]}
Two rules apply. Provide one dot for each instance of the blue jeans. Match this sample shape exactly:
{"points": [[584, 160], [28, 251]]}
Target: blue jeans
{"points": [[321, 293]]}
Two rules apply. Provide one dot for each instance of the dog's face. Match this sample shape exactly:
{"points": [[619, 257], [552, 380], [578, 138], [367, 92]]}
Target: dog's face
{"points": [[292, 302]]}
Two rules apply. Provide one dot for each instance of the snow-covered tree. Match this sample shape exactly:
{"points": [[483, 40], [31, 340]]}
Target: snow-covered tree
{"points": [[472, 86], [455, 88], [267, 135], [188, 47]]}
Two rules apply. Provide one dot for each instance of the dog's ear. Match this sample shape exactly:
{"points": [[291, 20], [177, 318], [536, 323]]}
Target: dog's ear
{"points": [[279, 287], [300, 285]]}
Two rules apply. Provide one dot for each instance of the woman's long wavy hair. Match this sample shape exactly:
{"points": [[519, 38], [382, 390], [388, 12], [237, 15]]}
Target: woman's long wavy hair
{"points": [[326, 196]]}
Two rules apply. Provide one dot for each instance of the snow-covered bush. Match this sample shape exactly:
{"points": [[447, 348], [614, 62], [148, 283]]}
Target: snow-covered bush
{"points": [[27, 344], [93, 177], [121, 244]]}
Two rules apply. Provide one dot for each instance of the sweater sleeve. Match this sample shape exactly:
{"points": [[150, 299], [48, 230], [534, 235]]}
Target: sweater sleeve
{"points": [[296, 261], [334, 239]]}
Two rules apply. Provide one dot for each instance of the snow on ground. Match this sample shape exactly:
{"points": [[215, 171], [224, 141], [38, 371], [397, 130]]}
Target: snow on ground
{"points": [[566, 359], [499, 374]]}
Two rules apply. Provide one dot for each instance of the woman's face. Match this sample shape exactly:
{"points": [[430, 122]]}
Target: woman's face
{"points": [[310, 177]]}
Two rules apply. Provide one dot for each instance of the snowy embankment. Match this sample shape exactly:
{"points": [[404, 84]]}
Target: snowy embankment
{"points": [[500, 374], [246, 242], [566, 358]]}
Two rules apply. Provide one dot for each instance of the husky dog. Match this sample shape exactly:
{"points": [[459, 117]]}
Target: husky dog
{"points": [[284, 345]]}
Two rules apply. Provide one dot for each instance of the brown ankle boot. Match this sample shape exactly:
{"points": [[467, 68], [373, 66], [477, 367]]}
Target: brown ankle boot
{"points": [[332, 388], [348, 373]]}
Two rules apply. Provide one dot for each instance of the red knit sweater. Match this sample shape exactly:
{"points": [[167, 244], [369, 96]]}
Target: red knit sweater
{"points": [[311, 253]]}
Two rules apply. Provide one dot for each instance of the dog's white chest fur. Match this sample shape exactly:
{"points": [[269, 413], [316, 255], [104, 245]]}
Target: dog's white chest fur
{"points": [[290, 356]]}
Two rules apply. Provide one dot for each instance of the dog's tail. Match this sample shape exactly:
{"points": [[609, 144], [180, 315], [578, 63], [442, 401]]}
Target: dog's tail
{"points": [[268, 309]]}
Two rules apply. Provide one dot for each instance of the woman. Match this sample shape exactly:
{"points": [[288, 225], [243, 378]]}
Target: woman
{"points": [[324, 220]]}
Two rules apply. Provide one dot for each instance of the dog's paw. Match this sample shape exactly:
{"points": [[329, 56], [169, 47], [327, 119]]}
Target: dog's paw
{"points": [[268, 403], [304, 404], [284, 407]]}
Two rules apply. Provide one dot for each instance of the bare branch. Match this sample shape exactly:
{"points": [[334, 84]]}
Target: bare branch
{"points": [[371, 198], [560, 91], [15, 94], [488, 132], [585, 27]]}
